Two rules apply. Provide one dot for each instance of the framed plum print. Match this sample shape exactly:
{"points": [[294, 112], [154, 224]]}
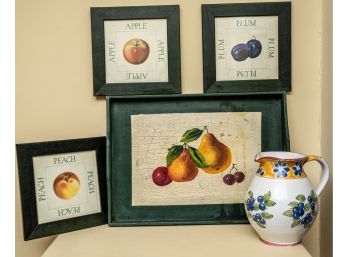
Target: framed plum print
{"points": [[63, 185], [249, 46], [187, 159], [136, 50]]}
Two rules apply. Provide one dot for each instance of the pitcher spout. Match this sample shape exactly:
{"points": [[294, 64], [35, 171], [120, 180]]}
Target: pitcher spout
{"points": [[279, 155]]}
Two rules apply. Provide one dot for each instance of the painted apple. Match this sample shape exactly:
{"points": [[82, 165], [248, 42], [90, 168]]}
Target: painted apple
{"points": [[66, 185], [136, 51], [160, 176]]}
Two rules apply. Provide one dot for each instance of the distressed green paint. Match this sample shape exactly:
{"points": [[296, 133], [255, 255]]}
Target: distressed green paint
{"points": [[169, 12], [119, 109]]}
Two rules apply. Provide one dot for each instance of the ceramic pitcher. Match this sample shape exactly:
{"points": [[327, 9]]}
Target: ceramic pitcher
{"points": [[281, 204]]}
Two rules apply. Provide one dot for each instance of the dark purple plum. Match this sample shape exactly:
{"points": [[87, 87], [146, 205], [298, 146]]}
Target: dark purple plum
{"points": [[228, 179], [255, 48], [240, 52], [160, 176]]}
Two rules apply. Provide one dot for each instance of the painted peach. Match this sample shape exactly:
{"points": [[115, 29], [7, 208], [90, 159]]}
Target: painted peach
{"points": [[66, 185]]}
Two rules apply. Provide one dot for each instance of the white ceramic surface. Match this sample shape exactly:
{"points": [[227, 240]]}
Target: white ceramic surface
{"points": [[288, 204]]}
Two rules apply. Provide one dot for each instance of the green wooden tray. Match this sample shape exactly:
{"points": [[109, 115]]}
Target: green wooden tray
{"points": [[274, 136]]}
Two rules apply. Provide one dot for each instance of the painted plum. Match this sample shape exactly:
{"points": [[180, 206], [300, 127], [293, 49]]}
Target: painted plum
{"points": [[255, 48], [240, 52]]}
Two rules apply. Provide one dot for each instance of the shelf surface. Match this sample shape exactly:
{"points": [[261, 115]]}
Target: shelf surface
{"points": [[168, 241]]}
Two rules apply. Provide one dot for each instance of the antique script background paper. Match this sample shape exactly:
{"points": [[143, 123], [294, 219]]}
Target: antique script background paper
{"points": [[153, 134]]}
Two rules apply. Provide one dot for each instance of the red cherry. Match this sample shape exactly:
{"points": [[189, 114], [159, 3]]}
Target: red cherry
{"points": [[229, 179], [239, 176], [160, 176]]}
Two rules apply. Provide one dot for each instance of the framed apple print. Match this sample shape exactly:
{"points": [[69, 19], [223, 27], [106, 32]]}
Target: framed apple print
{"points": [[63, 185], [247, 47], [136, 50]]}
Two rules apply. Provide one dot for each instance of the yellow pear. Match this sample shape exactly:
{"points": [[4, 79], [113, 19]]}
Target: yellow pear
{"points": [[182, 169], [217, 155]]}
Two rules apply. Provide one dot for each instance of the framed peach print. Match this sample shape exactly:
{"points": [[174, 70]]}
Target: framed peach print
{"points": [[136, 50], [63, 185]]}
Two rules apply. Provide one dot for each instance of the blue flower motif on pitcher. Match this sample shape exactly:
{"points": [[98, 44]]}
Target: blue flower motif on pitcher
{"points": [[281, 169], [260, 172], [297, 169], [250, 203], [257, 208], [303, 212]]}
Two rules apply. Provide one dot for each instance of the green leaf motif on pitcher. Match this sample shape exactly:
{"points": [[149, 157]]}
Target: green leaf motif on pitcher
{"points": [[303, 210], [256, 208]]}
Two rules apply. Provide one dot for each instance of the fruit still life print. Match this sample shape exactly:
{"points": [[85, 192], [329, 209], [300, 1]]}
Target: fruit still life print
{"points": [[193, 158], [184, 161]]}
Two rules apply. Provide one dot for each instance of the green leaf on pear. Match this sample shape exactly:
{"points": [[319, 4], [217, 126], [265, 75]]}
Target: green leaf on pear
{"points": [[173, 153], [191, 135], [197, 157]]}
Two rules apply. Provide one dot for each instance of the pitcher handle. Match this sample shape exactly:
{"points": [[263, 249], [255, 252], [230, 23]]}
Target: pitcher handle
{"points": [[325, 173]]}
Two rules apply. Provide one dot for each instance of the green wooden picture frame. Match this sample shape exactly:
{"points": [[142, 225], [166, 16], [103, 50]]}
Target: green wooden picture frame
{"points": [[153, 72], [226, 74], [31, 193], [274, 136]]}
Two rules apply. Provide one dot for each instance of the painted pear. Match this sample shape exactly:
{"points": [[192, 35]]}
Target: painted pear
{"points": [[182, 169], [215, 153]]}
